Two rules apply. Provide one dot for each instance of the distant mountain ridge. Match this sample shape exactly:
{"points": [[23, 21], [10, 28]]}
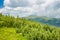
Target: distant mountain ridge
{"points": [[45, 20]]}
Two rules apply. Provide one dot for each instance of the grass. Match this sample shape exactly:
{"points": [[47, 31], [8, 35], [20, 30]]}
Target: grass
{"points": [[10, 34]]}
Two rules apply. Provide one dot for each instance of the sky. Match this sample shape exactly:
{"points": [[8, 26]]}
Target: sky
{"points": [[1, 3], [24, 8]]}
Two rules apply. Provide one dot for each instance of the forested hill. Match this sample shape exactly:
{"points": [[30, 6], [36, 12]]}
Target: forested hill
{"points": [[45, 20], [12, 28]]}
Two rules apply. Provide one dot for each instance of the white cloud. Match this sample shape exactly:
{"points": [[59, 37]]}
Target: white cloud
{"points": [[21, 11], [29, 7]]}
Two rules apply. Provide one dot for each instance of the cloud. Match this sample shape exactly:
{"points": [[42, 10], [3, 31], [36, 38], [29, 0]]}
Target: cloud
{"points": [[19, 3], [24, 8]]}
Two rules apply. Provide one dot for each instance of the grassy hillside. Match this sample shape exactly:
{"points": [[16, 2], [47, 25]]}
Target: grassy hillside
{"points": [[21, 29]]}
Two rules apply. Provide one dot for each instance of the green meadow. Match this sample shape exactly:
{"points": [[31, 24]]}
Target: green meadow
{"points": [[12, 28]]}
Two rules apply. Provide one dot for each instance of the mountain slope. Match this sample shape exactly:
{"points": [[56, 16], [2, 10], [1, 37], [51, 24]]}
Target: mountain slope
{"points": [[45, 20], [12, 28]]}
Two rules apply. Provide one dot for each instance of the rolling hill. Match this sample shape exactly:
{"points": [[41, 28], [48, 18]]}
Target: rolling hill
{"points": [[45, 20], [12, 28]]}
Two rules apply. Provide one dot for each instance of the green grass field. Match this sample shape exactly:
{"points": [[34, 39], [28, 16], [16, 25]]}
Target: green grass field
{"points": [[10, 34]]}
